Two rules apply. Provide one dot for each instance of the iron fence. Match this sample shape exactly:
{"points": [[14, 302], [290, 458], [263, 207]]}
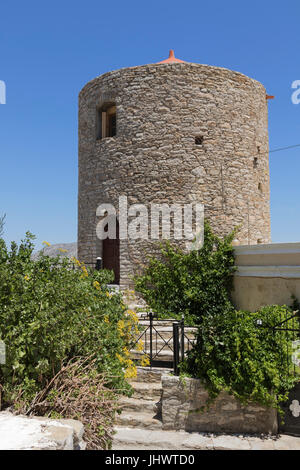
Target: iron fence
{"points": [[157, 342]]}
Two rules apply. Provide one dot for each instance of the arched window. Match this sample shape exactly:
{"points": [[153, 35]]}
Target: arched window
{"points": [[106, 121]]}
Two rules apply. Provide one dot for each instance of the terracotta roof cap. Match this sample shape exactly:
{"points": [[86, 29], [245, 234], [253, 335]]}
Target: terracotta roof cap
{"points": [[171, 59]]}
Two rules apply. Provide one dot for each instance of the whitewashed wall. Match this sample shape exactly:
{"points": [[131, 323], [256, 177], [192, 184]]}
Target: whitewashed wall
{"points": [[267, 274]]}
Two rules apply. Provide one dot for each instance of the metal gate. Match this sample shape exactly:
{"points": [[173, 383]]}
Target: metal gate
{"points": [[164, 341], [290, 327]]}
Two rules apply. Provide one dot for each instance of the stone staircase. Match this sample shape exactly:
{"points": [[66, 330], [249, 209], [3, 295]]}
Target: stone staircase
{"points": [[141, 413], [142, 410]]}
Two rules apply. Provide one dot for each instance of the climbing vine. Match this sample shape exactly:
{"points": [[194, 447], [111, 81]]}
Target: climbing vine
{"points": [[191, 283], [231, 352]]}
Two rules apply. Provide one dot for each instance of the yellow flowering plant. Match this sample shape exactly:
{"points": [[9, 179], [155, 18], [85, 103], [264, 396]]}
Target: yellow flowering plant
{"points": [[56, 309]]}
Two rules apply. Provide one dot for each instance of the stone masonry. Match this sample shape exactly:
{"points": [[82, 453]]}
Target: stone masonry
{"points": [[185, 133], [183, 400]]}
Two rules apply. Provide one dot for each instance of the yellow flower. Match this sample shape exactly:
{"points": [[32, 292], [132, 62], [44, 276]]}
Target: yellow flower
{"points": [[46, 243], [145, 361], [106, 320], [62, 250], [140, 345], [108, 294], [76, 261], [121, 326], [121, 359], [26, 278], [133, 315], [96, 285], [131, 372], [85, 272]]}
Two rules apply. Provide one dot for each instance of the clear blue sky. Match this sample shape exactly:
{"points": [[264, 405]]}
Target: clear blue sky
{"points": [[49, 50]]}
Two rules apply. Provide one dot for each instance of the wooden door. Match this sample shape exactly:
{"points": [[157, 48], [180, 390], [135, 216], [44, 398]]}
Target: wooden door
{"points": [[111, 255]]}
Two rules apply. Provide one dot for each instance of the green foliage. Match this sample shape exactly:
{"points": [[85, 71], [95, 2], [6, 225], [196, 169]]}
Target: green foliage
{"points": [[252, 363], [231, 352], [51, 312], [192, 283]]}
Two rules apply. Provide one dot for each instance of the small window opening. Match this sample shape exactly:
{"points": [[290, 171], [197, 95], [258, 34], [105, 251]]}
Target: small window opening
{"points": [[259, 241], [255, 162], [260, 187], [199, 140], [106, 121], [258, 149]]}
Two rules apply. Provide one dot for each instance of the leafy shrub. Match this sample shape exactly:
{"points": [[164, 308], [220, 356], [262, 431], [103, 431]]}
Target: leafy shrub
{"points": [[231, 352], [252, 363], [51, 312], [192, 283]]}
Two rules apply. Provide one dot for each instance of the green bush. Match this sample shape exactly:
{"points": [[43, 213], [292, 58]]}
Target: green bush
{"points": [[252, 363], [51, 312], [231, 352], [192, 283]]}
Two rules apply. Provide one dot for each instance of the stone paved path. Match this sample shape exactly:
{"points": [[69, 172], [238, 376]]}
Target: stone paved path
{"points": [[127, 438]]}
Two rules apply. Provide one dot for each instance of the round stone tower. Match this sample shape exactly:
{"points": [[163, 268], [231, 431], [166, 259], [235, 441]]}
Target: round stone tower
{"points": [[175, 133]]}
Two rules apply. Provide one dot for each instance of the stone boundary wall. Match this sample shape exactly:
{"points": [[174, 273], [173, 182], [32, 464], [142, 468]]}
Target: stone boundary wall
{"points": [[267, 274], [183, 398]]}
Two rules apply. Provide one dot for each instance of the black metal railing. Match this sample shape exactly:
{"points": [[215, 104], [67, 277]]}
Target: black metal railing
{"points": [[180, 341], [288, 329], [156, 342]]}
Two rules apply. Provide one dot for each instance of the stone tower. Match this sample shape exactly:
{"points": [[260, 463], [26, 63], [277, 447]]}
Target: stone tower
{"points": [[172, 132]]}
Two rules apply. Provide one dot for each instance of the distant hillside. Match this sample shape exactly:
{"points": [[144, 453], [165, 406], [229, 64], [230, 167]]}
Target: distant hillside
{"points": [[54, 250]]}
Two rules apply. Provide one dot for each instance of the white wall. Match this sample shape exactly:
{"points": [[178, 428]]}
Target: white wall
{"points": [[267, 274]]}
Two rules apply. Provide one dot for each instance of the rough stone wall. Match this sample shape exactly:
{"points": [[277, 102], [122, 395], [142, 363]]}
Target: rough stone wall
{"points": [[182, 401], [161, 108]]}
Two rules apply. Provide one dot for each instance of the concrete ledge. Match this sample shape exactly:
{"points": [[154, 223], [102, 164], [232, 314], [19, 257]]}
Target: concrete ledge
{"points": [[286, 272], [273, 254], [183, 399], [19, 432]]}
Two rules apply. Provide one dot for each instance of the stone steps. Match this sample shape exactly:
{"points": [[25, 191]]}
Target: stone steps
{"points": [[139, 405], [148, 390], [162, 343], [142, 410], [162, 323], [163, 356], [141, 420], [189, 330], [153, 374], [147, 439]]}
